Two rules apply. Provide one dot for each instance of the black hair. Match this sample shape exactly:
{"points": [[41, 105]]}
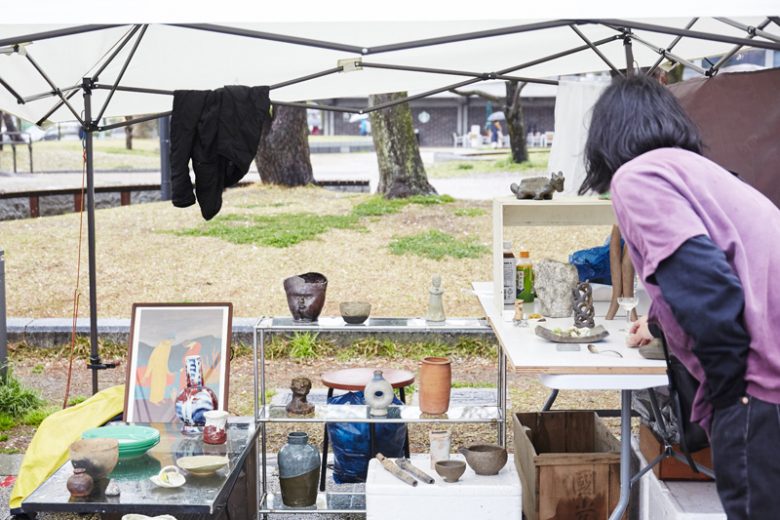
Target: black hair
{"points": [[634, 115]]}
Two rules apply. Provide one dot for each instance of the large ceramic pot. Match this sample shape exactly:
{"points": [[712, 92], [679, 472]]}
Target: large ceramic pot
{"points": [[195, 399], [306, 295], [435, 383], [299, 464]]}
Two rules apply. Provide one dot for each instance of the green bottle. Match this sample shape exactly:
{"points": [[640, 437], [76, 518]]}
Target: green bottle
{"points": [[525, 277]]}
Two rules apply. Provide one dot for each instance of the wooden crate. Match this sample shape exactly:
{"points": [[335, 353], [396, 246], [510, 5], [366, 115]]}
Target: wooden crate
{"points": [[568, 463], [671, 468]]}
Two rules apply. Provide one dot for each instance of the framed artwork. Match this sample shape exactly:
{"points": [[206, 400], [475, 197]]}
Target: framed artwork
{"points": [[162, 335]]}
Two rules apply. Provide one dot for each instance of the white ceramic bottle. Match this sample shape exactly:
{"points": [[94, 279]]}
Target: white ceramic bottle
{"points": [[378, 394]]}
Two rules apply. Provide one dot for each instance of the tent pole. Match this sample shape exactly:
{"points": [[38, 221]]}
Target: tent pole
{"points": [[596, 50], [35, 37], [134, 121], [122, 72], [54, 87], [666, 54], [670, 47], [5, 85], [481, 75], [699, 35], [94, 354], [629, 54], [752, 31], [726, 57]]}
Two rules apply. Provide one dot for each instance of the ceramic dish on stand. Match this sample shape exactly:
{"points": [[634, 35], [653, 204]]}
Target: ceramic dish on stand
{"points": [[595, 334]]}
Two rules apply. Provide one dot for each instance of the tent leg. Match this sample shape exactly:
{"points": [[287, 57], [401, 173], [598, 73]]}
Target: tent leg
{"points": [[94, 356]]}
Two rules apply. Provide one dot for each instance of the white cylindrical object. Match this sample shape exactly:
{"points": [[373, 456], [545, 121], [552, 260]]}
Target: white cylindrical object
{"points": [[440, 446]]}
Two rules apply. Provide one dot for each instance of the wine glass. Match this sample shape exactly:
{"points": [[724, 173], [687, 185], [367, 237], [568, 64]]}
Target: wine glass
{"points": [[628, 303]]}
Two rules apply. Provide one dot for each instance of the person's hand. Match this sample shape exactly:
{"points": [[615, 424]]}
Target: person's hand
{"points": [[639, 334]]}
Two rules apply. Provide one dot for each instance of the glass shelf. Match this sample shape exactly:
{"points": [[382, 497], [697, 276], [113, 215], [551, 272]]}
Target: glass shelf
{"points": [[452, 325], [326, 503], [395, 414]]}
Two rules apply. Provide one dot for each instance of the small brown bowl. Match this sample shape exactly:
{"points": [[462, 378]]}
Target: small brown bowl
{"points": [[450, 470], [355, 313]]}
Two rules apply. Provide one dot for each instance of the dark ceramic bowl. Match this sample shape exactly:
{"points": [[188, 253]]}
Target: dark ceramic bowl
{"points": [[450, 470], [355, 313], [306, 295]]}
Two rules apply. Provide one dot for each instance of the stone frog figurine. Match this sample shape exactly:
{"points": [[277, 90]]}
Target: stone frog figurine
{"points": [[538, 188]]}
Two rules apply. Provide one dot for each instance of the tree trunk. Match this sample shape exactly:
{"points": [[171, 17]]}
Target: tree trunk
{"points": [[283, 154], [128, 134], [401, 170], [515, 122]]}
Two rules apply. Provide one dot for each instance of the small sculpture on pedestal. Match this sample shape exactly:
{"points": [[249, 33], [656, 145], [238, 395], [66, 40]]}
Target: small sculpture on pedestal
{"points": [[435, 302], [300, 387], [583, 305]]}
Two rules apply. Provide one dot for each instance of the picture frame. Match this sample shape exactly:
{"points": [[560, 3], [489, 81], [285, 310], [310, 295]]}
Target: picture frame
{"points": [[161, 336]]}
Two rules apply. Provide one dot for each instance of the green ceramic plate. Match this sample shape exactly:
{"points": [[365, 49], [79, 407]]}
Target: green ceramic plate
{"points": [[129, 437]]}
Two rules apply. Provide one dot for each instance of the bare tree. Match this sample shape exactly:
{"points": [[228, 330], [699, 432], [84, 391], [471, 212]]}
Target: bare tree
{"points": [[128, 134], [513, 112], [283, 153], [401, 170], [10, 128]]}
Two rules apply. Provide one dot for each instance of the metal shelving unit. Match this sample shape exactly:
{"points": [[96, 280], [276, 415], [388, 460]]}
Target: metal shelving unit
{"points": [[334, 502]]}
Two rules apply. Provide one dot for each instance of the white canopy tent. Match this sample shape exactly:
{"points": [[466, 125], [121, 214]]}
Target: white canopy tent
{"points": [[55, 68]]}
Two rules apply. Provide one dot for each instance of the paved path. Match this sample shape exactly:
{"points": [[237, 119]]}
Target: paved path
{"points": [[333, 166]]}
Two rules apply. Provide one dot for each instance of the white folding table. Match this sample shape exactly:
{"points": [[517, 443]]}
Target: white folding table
{"points": [[526, 353]]}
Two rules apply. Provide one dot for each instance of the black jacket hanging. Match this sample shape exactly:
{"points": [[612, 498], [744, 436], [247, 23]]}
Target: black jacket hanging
{"points": [[220, 131]]}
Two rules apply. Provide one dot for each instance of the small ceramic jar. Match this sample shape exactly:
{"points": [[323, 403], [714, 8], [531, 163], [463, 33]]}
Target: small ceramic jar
{"points": [[378, 394], [215, 430]]}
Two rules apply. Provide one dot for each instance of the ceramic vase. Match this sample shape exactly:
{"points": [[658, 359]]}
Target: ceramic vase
{"points": [[306, 296], [195, 399], [435, 383], [378, 394], [299, 465]]}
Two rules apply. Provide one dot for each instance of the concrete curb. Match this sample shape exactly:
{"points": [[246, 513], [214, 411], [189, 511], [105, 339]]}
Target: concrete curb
{"points": [[55, 332]]}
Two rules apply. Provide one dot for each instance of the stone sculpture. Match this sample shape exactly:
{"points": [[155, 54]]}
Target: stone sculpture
{"points": [[300, 387], [553, 282], [435, 302], [538, 188], [583, 305]]}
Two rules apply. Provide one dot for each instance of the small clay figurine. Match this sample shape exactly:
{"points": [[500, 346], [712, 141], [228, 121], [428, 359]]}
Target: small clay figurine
{"points": [[583, 305], [300, 387], [538, 188], [435, 301]]}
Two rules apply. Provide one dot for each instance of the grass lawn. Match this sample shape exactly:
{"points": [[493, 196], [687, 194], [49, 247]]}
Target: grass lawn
{"points": [[537, 162]]}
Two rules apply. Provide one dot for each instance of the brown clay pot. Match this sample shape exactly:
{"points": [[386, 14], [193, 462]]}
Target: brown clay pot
{"points": [[435, 383], [80, 484]]}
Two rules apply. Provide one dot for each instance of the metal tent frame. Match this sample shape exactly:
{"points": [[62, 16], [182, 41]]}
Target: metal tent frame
{"points": [[755, 36]]}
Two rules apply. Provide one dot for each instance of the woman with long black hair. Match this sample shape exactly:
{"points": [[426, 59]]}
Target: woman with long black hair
{"points": [[707, 248]]}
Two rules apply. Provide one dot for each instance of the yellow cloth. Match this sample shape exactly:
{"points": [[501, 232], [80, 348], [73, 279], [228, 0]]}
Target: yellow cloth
{"points": [[49, 447]]}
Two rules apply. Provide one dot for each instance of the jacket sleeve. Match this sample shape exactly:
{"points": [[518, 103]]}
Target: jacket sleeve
{"points": [[707, 300], [187, 107]]}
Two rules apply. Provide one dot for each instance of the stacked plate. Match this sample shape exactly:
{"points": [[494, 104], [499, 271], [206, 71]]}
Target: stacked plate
{"points": [[134, 441]]}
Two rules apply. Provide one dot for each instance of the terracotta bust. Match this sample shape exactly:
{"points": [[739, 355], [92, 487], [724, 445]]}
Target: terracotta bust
{"points": [[300, 387]]}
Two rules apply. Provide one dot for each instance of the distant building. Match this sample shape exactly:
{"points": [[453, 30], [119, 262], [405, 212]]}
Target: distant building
{"points": [[437, 118]]}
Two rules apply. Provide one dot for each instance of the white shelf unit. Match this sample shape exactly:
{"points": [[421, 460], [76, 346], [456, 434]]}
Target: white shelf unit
{"points": [[509, 211]]}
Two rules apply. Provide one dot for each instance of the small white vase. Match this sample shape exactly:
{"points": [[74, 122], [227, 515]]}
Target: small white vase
{"points": [[378, 394], [440, 446]]}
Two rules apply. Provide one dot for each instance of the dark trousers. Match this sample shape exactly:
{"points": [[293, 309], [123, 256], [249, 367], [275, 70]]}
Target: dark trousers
{"points": [[745, 440]]}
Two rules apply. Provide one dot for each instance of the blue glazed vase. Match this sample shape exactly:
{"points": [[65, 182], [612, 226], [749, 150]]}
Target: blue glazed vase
{"points": [[299, 464], [195, 398]]}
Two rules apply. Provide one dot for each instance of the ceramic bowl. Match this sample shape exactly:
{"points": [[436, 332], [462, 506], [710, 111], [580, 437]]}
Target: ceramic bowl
{"points": [[450, 470], [202, 465], [485, 459], [355, 313], [98, 457]]}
